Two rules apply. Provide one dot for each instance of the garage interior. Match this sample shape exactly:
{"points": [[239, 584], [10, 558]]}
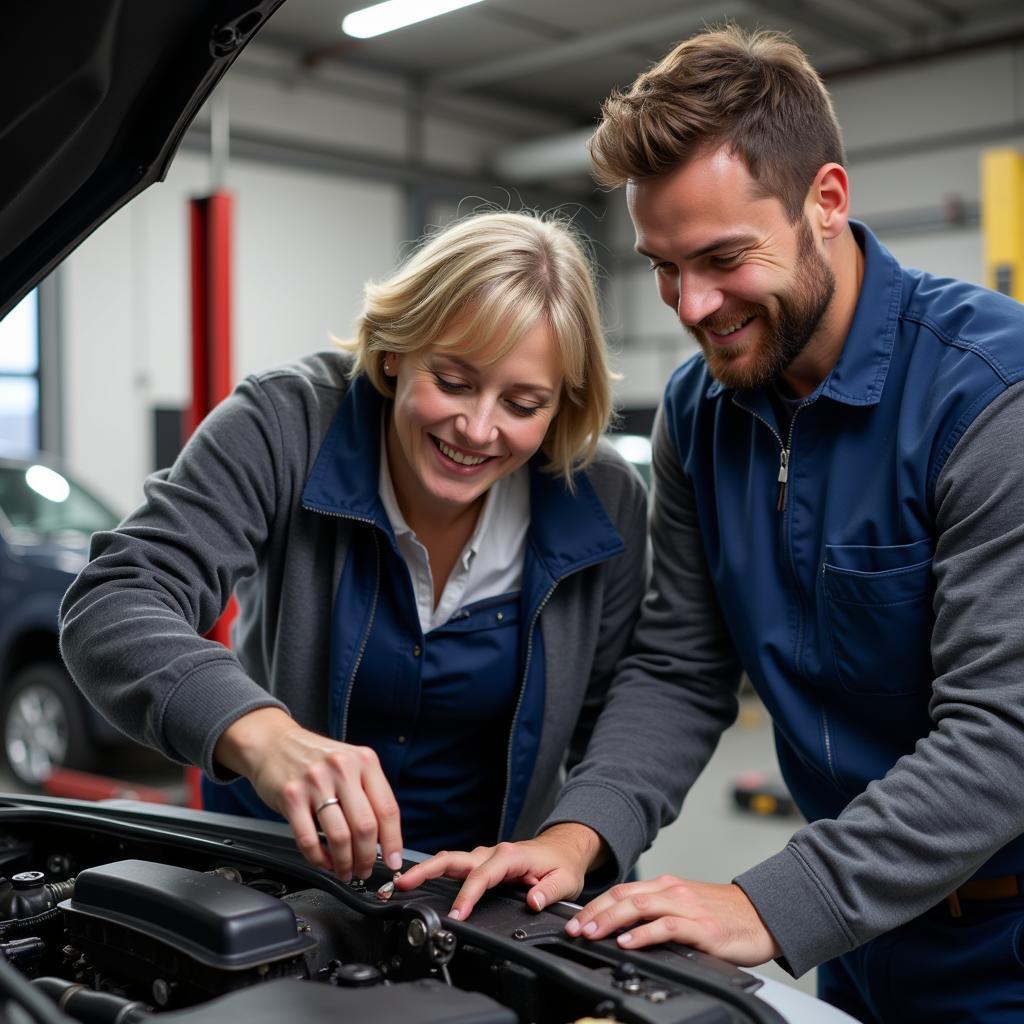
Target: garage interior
{"points": [[338, 154]]}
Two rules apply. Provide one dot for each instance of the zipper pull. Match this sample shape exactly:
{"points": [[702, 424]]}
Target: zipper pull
{"points": [[783, 479]]}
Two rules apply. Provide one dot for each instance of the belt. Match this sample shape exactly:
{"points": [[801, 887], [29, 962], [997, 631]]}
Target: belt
{"points": [[983, 889]]}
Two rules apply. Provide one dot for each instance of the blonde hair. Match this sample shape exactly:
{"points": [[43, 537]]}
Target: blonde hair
{"points": [[752, 92], [493, 276]]}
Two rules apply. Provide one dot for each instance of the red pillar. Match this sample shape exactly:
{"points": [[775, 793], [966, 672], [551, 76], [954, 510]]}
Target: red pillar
{"points": [[211, 223], [211, 218]]}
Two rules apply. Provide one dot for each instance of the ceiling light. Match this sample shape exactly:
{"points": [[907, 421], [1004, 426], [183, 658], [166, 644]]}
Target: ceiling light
{"points": [[48, 484], [392, 14]]}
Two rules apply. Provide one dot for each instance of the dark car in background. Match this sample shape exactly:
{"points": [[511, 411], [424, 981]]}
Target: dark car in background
{"points": [[46, 520]]}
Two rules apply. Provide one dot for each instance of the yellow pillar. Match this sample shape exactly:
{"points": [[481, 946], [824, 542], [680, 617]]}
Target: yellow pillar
{"points": [[1002, 220]]}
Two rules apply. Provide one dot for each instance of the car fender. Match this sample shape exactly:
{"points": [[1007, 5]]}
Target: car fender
{"points": [[36, 612]]}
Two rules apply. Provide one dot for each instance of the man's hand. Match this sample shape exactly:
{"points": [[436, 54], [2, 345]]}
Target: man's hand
{"points": [[553, 865], [316, 782], [716, 919]]}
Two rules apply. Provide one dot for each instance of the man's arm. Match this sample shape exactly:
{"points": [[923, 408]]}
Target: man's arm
{"points": [[626, 578], [674, 693]]}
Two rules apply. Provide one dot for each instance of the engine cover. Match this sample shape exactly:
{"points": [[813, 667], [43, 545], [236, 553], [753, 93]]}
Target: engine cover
{"points": [[179, 934]]}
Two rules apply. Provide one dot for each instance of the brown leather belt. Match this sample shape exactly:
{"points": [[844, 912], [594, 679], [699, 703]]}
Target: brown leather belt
{"points": [[983, 889]]}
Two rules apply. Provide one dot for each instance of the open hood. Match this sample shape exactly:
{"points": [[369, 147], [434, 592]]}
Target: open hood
{"points": [[94, 100]]}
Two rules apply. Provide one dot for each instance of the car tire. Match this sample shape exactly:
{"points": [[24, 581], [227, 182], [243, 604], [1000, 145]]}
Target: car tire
{"points": [[42, 724]]}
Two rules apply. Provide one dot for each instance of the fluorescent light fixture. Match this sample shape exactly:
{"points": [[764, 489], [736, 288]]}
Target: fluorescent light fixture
{"points": [[48, 484], [392, 14]]}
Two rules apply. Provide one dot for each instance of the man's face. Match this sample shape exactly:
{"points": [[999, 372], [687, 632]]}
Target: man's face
{"points": [[751, 287]]}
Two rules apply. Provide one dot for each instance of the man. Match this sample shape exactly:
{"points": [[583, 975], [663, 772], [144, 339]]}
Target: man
{"points": [[838, 509]]}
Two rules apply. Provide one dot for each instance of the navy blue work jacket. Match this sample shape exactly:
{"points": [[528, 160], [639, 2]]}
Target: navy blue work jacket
{"points": [[828, 598]]}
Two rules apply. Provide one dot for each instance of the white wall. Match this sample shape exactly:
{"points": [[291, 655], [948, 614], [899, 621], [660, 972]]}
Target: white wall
{"points": [[304, 244]]}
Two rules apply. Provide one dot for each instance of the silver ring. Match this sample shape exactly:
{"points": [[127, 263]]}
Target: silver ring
{"points": [[326, 803]]}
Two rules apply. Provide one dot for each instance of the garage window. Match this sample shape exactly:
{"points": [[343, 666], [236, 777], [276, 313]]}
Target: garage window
{"points": [[19, 377]]}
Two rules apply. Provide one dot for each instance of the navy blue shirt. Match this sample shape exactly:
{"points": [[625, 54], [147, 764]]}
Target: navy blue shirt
{"points": [[439, 719]]}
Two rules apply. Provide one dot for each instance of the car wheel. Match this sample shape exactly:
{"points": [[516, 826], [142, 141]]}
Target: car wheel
{"points": [[41, 719]]}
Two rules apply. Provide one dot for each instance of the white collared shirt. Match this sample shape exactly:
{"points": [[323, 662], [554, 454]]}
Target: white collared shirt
{"points": [[491, 563]]}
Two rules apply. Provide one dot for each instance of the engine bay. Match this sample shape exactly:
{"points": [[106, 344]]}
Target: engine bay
{"points": [[120, 913]]}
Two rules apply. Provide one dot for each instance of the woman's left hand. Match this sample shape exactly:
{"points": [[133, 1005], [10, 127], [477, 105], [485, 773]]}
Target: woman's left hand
{"points": [[554, 865]]}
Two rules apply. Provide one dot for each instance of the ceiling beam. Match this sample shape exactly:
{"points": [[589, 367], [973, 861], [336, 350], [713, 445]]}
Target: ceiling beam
{"points": [[829, 24], [595, 44]]}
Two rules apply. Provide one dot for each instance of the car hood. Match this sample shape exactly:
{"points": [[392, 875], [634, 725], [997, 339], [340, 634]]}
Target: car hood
{"points": [[94, 100]]}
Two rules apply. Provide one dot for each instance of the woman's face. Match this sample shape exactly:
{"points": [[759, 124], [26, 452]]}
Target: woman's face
{"points": [[460, 422]]}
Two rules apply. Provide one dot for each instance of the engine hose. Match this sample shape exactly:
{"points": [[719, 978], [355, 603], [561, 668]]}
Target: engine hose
{"points": [[90, 1007], [15, 925]]}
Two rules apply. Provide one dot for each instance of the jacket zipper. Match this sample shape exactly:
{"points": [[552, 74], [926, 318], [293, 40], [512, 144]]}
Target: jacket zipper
{"points": [[785, 449], [784, 452], [826, 734], [343, 724], [783, 478], [343, 721], [519, 704]]}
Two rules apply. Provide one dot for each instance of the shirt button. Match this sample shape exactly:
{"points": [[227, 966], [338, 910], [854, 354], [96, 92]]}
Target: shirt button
{"points": [[416, 651], [401, 739], [500, 616]]}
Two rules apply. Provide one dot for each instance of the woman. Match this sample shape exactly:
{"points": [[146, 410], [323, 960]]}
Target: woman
{"points": [[436, 564]]}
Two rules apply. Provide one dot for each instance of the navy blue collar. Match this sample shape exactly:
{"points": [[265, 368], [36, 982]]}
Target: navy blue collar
{"points": [[345, 476], [567, 531], [860, 372]]}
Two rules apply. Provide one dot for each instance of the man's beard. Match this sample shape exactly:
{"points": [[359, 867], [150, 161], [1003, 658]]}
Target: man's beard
{"points": [[784, 333]]}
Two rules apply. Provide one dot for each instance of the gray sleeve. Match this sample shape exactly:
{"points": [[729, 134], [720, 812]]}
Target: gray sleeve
{"points": [[673, 694], [912, 837], [131, 623]]}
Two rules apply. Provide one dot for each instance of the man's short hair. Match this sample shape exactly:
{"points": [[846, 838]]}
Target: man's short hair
{"points": [[752, 92]]}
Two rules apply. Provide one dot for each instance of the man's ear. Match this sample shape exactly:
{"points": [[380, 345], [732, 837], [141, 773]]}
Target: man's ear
{"points": [[828, 200]]}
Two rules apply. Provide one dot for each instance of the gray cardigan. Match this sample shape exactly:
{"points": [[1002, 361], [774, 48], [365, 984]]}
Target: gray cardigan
{"points": [[227, 516]]}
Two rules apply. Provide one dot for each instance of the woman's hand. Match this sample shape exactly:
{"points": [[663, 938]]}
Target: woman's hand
{"points": [[553, 865], [315, 781]]}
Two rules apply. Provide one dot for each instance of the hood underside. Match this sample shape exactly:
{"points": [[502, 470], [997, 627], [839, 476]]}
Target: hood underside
{"points": [[94, 100]]}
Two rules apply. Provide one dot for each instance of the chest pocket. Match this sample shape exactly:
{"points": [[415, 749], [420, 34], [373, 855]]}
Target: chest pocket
{"points": [[878, 601]]}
